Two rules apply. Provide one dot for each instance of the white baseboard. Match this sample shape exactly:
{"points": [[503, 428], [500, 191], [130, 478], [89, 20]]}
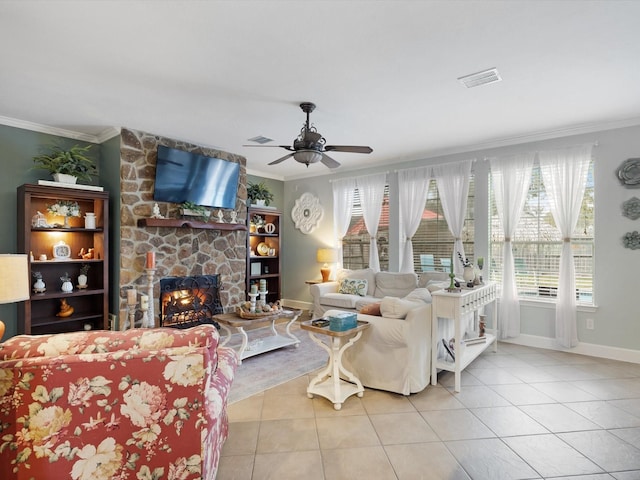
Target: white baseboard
{"points": [[591, 349]]}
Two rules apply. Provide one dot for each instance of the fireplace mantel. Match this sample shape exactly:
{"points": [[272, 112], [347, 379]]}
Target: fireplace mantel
{"points": [[182, 223]]}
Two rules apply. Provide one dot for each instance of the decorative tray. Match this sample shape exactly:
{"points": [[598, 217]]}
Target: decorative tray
{"points": [[248, 315]]}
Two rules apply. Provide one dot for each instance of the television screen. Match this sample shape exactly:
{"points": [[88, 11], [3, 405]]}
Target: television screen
{"points": [[189, 177]]}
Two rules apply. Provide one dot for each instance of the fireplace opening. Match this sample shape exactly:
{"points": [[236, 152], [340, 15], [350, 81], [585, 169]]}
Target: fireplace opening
{"points": [[189, 301]]}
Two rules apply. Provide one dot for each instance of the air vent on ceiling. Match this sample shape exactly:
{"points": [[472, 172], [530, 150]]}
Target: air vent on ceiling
{"points": [[480, 78], [261, 140]]}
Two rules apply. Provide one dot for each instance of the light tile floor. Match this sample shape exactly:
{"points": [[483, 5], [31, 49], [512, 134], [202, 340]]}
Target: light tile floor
{"points": [[522, 413]]}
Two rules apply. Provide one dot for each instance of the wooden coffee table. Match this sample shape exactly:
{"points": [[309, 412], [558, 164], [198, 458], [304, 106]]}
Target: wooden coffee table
{"points": [[328, 383], [263, 344]]}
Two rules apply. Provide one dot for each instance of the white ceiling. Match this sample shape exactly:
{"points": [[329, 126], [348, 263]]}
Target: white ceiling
{"points": [[382, 73]]}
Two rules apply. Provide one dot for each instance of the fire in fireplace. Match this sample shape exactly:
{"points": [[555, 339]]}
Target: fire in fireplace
{"points": [[189, 301]]}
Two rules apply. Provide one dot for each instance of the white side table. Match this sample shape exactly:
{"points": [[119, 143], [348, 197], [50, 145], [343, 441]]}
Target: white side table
{"points": [[328, 383], [454, 305]]}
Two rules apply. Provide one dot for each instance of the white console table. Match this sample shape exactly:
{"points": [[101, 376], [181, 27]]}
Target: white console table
{"points": [[455, 306]]}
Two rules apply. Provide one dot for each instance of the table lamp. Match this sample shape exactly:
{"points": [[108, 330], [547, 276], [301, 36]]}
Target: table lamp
{"points": [[326, 256], [14, 280]]}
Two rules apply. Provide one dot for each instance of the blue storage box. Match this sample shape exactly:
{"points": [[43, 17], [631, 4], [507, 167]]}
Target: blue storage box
{"points": [[339, 322]]}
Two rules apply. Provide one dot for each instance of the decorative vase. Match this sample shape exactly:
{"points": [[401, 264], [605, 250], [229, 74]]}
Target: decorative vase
{"points": [[64, 178], [67, 286], [468, 274], [90, 220], [66, 222], [82, 281], [260, 202], [39, 286]]}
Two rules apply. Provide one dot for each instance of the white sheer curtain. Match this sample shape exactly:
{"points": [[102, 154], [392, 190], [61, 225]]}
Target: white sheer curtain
{"points": [[453, 188], [371, 190], [413, 186], [564, 173], [511, 177], [344, 191]]}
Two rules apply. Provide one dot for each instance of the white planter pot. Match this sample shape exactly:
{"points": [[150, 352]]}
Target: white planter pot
{"points": [[260, 203], [67, 287], [82, 281], [64, 178], [39, 286]]}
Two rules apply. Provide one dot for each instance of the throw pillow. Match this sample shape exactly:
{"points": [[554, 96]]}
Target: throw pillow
{"points": [[353, 286], [394, 307], [371, 309], [365, 274], [419, 295]]}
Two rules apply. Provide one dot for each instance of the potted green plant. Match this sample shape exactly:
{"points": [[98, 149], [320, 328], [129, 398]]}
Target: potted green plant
{"points": [[259, 193], [190, 209], [67, 166]]}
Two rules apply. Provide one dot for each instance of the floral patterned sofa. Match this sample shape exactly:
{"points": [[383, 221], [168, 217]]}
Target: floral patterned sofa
{"points": [[144, 404]]}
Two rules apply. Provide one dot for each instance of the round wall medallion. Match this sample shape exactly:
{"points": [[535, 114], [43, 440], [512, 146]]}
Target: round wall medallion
{"points": [[307, 213]]}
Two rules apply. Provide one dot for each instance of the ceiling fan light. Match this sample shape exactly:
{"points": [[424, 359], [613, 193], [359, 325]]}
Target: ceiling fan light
{"points": [[307, 156]]}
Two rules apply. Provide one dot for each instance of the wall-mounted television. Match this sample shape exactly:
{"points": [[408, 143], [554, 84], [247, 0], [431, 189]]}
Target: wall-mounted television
{"points": [[189, 177]]}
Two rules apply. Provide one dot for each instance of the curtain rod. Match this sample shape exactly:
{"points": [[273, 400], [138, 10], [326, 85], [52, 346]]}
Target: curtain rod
{"points": [[355, 178], [593, 144]]}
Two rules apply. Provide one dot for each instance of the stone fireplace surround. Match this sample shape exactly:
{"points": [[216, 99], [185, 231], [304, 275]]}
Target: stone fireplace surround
{"points": [[180, 252]]}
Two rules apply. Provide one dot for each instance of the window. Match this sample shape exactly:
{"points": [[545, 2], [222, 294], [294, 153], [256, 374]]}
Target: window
{"points": [[433, 242], [355, 244], [537, 244]]}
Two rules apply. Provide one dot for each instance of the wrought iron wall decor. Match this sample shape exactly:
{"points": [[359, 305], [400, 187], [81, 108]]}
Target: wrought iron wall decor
{"points": [[631, 208], [629, 173], [631, 240]]}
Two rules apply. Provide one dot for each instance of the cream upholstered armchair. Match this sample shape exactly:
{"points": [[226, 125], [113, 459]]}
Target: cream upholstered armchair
{"points": [[102, 405]]}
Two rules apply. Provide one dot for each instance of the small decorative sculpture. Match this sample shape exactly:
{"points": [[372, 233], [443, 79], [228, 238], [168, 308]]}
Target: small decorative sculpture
{"points": [[631, 240], [220, 216], [234, 216], [66, 310], [156, 211]]}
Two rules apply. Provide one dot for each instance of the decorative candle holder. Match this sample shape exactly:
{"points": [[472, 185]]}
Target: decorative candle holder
{"points": [[131, 321], [252, 299], [263, 297], [150, 274], [145, 319]]}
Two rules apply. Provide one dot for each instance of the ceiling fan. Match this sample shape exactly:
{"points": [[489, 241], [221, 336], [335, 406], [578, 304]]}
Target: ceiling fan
{"points": [[309, 147]]}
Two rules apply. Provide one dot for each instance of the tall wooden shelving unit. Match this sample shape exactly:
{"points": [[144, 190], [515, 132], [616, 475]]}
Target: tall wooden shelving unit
{"points": [[38, 314], [260, 265]]}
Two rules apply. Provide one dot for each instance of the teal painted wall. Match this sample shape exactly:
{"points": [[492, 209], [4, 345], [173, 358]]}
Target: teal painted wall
{"points": [[17, 149], [275, 186], [110, 180]]}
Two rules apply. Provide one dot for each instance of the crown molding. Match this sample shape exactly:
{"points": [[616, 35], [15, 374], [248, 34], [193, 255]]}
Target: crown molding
{"points": [[537, 137], [37, 127]]}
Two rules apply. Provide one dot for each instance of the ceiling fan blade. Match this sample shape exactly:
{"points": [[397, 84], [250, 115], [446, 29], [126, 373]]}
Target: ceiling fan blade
{"points": [[348, 148], [281, 159], [329, 162], [286, 147]]}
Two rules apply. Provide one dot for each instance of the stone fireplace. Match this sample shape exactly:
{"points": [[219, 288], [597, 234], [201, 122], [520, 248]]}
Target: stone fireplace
{"points": [[180, 251]]}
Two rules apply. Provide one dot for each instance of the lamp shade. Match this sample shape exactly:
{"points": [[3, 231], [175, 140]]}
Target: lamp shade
{"points": [[14, 278], [327, 255], [307, 156]]}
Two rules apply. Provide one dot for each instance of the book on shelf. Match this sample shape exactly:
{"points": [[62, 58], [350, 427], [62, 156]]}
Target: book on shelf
{"points": [[475, 340]]}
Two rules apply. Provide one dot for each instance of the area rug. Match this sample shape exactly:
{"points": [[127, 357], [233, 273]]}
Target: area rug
{"points": [[270, 369]]}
